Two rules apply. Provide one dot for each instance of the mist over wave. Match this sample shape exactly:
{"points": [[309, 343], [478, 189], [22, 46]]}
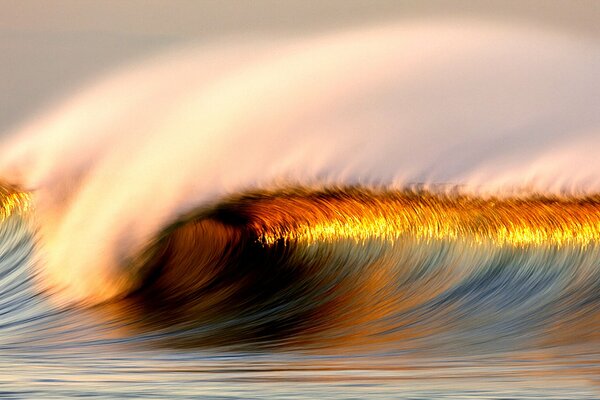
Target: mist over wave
{"points": [[492, 109]]}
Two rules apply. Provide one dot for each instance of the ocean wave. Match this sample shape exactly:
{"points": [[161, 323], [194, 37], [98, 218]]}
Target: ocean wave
{"points": [[429, 186], [495, 109]]}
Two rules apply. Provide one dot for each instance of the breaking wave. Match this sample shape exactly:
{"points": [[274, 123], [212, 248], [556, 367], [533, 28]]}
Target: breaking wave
{"points": [[427, 187]]}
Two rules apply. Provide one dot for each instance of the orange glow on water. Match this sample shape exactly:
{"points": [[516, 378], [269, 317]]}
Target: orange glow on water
{"points": [[360, 215]]}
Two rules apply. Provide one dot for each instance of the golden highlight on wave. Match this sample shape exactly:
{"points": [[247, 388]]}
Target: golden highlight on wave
{"points": [[360, 215]]}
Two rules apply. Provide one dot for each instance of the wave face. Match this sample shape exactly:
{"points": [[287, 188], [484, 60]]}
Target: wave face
{"points": [[427, 191]]}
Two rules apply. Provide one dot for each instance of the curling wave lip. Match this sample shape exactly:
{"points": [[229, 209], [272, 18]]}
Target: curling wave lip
{"points": [[361, 214]]}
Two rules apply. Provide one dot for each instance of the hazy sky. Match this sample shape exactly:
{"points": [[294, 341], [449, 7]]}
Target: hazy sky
{"points": [[50, 48]]}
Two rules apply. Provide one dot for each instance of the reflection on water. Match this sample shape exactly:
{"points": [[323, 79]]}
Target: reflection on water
{"points": [[103, 373]]}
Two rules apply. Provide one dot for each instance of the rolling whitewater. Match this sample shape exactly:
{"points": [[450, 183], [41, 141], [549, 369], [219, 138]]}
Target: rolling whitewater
{"points": [[409, 210]]}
